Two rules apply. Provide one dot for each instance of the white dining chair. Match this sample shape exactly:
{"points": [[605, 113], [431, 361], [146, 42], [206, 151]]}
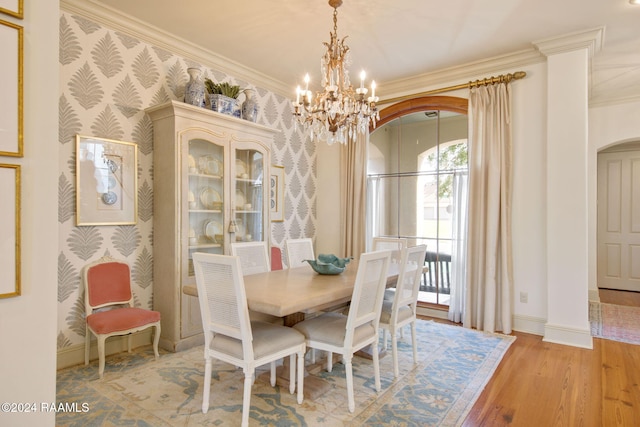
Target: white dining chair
{"points": [[394, 244], [297, 251], [254, 259], [231, 337], [254, 256], [402, 309], [345, 334]]}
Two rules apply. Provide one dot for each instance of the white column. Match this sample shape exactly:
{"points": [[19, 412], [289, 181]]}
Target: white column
{"points": [[568, 60]]}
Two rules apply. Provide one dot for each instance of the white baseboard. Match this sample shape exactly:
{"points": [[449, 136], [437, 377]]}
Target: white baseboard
{"points": [[536, 326], [594, 295], [529, 324], [74, 355], [432, 312], [568, 336]]}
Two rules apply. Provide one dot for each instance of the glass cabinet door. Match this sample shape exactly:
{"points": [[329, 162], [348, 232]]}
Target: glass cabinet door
{"points": [[204, 202], [249, 200]]}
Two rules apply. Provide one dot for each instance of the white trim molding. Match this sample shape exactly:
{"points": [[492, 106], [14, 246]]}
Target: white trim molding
{"points": [[568, 336], [529, 324]]}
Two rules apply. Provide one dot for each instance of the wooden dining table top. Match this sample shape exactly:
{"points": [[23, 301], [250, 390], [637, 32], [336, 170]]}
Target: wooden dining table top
{"points": [[297, 290]]}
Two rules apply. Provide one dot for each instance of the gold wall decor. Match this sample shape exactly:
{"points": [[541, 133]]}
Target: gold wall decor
{"points": [[106, 181], [13, 8], [9, 230], [11, 74]]}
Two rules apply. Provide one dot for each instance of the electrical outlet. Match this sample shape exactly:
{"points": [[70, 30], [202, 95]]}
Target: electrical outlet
{"points": [[524, 297]]}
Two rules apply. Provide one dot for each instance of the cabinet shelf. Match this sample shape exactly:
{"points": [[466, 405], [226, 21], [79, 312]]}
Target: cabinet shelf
{"points": [[205, 246], [253, 182], [205, 211], [206, 176]]}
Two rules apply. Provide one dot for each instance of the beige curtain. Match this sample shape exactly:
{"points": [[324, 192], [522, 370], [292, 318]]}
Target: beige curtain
{"points": [[488, 297], [353, 191]]}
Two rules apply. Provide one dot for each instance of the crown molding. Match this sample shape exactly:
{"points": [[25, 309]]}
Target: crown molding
{"points": [[605, 102], [459, 73], [591, 39], [141, 30]]}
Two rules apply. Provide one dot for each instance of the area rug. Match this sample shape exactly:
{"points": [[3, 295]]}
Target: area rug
{"points": [[615, 322], [454, 366]]}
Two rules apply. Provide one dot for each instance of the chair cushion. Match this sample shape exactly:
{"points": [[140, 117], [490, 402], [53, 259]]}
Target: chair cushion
{"points": [[331, 328], [121, 319], [267, 339], [404, 312]]}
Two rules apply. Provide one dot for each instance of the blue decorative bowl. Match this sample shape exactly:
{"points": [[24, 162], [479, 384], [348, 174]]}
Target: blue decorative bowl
{"points": [[328, 264]]}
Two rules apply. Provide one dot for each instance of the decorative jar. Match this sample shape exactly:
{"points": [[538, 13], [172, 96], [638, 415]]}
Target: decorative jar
{"points": [[249, 107], [194, 89]]}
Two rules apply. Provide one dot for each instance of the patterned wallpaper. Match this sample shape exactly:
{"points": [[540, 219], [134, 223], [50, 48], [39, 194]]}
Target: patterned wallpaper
{"points": [[108, 78]]}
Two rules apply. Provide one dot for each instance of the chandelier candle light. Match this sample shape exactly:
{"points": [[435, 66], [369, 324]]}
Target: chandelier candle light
{"points": [[338, 113]]}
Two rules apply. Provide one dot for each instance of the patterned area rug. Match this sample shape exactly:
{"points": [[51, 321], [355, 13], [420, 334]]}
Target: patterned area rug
{"points": [[454, 366], [615, 322]]}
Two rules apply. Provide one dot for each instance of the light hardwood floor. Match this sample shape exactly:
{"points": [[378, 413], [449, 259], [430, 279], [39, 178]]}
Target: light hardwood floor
{"points": [[544, 384]]}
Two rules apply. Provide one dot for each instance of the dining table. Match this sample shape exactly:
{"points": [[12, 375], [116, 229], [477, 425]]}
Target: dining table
{"points": [[294, 293]]}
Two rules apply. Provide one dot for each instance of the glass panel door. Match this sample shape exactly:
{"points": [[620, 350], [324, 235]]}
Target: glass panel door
{"points": [[204, 200], [249, 200]]}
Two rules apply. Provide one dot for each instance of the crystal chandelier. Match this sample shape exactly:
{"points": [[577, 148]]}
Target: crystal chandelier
{"points": [[339, 112]]}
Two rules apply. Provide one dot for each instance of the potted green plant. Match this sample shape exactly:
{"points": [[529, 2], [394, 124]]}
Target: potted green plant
{"points": [[223, 97]]}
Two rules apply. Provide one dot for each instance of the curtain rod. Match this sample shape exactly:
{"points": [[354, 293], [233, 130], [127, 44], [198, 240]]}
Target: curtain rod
{"points": [[503, 78]]}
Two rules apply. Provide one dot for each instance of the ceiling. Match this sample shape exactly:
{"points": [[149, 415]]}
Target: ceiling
{"points": [[393, 40]]}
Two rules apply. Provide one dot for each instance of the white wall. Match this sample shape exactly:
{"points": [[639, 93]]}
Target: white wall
{"points": [[28, 322], [529, 199]]}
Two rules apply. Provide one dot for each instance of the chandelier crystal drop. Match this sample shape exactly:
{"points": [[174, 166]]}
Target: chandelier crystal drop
{"points": [[338, 113]]}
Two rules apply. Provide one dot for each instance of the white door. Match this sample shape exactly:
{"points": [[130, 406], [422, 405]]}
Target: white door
{"points": [[619, 220]]}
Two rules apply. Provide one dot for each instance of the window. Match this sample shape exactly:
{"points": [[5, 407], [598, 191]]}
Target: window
{"points": [[415, 164]]}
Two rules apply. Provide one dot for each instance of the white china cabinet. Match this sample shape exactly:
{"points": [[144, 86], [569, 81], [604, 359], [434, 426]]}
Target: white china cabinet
{"points": [[209, 175]]}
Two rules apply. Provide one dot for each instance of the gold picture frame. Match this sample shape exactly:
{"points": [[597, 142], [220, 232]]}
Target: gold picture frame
{"points": [[13, 8], [10, 231], [11, 91], [276, 193], [106, 181]]}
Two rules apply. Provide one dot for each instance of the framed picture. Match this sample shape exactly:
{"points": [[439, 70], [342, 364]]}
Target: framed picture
{"points": [[9, 231], [276, 193], [11, 71], [106, 181], [12, 7]]}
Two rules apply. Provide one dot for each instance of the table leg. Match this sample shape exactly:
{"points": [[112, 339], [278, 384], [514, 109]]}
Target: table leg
{"points": [[292, 319]]}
